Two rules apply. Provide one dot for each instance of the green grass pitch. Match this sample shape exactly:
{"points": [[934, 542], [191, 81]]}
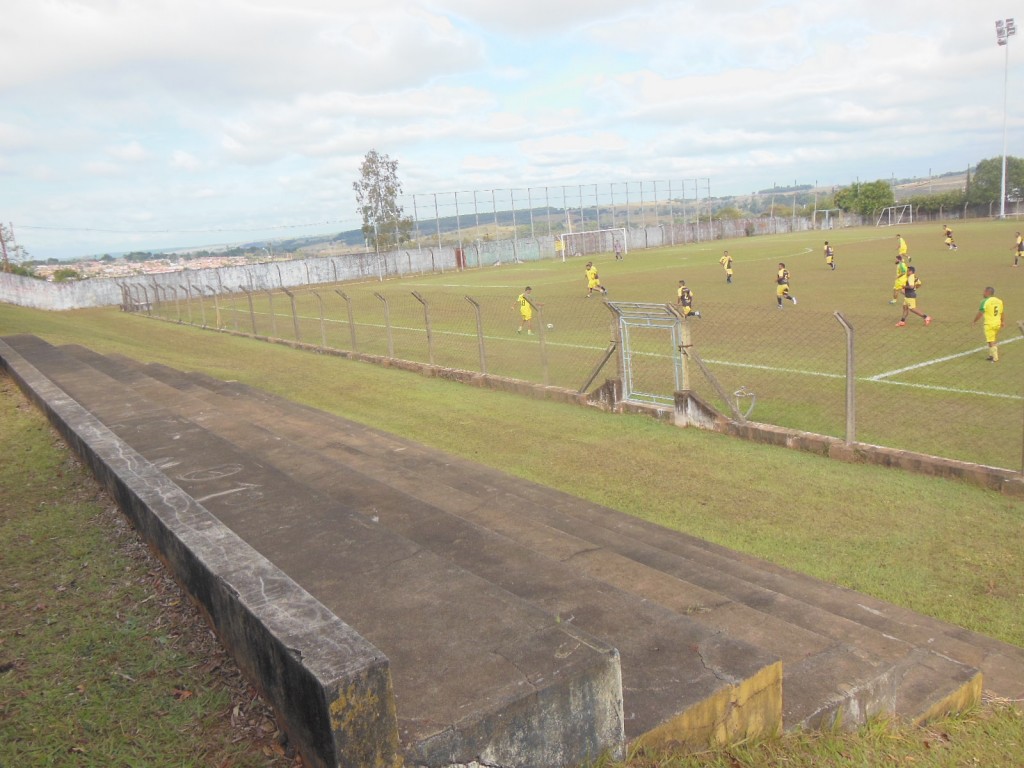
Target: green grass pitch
{"points": [[918, 388]]}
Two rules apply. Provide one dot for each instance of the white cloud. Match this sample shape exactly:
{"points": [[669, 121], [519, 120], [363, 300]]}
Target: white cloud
{"points": [[231, 113], [185, 161]]}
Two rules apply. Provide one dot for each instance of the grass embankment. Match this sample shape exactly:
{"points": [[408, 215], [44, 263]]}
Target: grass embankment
{"points": [[103, 662]]}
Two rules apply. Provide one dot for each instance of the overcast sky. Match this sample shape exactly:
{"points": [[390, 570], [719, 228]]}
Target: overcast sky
{"points": [[138, 124]]}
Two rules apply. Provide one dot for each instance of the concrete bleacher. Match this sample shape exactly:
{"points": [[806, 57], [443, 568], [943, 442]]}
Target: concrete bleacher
{"points": [[397, 603]]}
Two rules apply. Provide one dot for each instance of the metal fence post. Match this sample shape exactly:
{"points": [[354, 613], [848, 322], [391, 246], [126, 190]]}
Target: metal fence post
{"points": [[351, 317], [252, 310], [158, 302], [202, 304], [216, 307], [426, 320], [188, 303], [1020, 323], [323, 332], [295, 315], [851, 381], [273, 317], [387, 324], [543, 345], [685, 336], [479, 334]]}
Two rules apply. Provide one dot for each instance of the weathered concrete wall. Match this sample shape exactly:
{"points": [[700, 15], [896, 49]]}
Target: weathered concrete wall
{"points": [[100, 292], [313, 668]]}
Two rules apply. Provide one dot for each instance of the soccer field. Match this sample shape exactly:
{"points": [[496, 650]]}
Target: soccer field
{"points": [[918, 388]]}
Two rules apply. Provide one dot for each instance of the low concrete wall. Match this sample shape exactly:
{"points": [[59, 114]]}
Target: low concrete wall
{"points": [[141, 289], [691, 411], [331, 689]]}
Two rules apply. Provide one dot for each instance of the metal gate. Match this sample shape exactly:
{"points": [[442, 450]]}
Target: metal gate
{"points": [[651, 344]]}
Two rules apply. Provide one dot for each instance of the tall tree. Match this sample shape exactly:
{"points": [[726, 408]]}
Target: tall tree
{"points": [[377, 193], [866, 198], [988, 179]]}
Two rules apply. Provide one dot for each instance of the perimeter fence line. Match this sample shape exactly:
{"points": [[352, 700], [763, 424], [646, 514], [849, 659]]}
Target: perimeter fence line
{"points": [[926, 390]]}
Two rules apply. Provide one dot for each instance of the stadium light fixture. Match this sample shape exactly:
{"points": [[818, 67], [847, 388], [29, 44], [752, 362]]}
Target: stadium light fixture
{"points": [[1004, 31]]}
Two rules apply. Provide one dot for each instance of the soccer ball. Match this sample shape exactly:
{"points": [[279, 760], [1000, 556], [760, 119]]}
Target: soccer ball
{"points": [[550, 326]]}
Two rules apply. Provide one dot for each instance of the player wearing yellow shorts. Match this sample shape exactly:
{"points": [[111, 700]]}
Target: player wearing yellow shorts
{"points": [[684, 298], [947, 233], [525, 305], [910, 299], [901, 248], [726, 262], [830, 256], [593, 281], [901, 279], [992, 310], [782, 285]]}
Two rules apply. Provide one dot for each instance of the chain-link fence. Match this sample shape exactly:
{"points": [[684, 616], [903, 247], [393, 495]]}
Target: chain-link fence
{"points": [[449, 329], [927, 389]]}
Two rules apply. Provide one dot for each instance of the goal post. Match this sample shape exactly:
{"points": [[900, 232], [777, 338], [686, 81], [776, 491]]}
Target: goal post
{"points": [[895, 214], [593, 241]]}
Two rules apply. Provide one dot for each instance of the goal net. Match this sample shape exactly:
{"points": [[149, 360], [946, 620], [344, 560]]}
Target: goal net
{"points": [[895, 214], [594, 241]]}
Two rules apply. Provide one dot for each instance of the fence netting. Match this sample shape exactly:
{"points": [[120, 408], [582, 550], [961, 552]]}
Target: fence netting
{"points": [[924, 389]]}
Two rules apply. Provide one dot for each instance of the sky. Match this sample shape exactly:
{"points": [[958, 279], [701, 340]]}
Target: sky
{"points": [[150, 124]]}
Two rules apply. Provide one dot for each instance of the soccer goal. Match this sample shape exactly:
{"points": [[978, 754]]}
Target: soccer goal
{"points": [[594, 241], [896, 214]]}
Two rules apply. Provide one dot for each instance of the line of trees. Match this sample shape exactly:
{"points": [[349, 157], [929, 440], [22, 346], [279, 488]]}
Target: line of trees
{"points": [[983, 188]]}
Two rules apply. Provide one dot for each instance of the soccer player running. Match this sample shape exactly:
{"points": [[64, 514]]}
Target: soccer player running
{"points": [[1019, 249], [782, 286], [526, 305], [830, 256], [901, 248], [947, 233], [726, 262], [901, 279], [992, 310], [593, 281], [684, 298], [910, 299]]}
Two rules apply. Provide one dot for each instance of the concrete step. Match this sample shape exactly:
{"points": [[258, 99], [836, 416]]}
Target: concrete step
{"points": [[836, 667], [692, 683], [675, 671], [722, 571], [478, 673]]}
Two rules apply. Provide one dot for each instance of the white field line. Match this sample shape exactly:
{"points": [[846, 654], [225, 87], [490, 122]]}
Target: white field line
{"points": [[926, 363], [876, 379]]}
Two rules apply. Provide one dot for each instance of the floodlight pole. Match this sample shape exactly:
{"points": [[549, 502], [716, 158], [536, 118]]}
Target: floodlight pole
{"points": [[1004, 30]]}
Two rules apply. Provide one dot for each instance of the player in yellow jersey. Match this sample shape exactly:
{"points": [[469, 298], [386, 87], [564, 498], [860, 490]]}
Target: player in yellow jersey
{"points": [[684, 298], [947, 233], [901, 248], [901, 279], [782, 286], [560, 248], [992, 310], [593, 281], [1018, 249], [830, 256], [910, 299], [726, 262], [526, 304]]}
